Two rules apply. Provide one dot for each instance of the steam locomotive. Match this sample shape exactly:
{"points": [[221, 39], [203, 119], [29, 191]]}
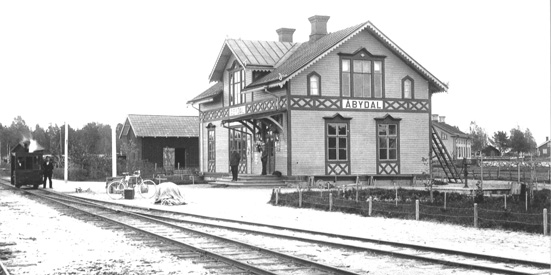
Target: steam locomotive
{"points": [[26, 167]]}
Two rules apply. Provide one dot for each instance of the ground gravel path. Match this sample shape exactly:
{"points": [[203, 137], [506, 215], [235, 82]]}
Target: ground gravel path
{"points": [[43, 241], [250, 204]]}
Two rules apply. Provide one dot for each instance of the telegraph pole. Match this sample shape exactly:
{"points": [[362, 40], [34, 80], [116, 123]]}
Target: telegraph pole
{"points": [[66, 169], [114, 150]]}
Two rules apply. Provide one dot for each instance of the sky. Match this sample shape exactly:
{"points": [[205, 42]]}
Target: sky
{"points": [[98, 61]]}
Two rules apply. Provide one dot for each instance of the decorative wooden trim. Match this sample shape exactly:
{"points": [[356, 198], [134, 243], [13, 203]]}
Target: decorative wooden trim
{"points": [[211, 164], [261, 106], [317, 103], [308, 83], [289, 135], [363, 54], [337, 167], [388, 167], [407, 77], [335, 103]]}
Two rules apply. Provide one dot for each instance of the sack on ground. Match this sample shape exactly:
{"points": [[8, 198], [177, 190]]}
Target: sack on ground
{"points": [[168, 193]]}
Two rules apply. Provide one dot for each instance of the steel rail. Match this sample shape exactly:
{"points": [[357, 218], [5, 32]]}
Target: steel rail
{"points": [[347, 237], [230, 261], [360, 248], [3, 269], [414, 256], [413, 246]]}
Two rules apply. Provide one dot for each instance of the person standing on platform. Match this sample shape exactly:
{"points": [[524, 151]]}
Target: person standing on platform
{"points": [[47, 170], [264, 159], [234, 164]]}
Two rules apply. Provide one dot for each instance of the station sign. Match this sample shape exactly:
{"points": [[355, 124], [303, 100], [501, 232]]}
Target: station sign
{"points": [[235, 111], [362, 104]]}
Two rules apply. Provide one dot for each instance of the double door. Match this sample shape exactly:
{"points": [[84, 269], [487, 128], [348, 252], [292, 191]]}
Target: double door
{"points": [[238, 143]]}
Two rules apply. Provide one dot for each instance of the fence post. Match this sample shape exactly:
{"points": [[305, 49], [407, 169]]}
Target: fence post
{"points": [[299, 198], [545, 221], [476, 215], [370, 205], [526, 200], [396, 196], [445, 199], [330, 201], [505, 200], [416, 210], [277, 196], [357, 187]]}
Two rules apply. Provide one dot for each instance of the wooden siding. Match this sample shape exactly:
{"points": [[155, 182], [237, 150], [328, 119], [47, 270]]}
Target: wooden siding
{"points": [[329, 69], [152, 150], [308, 139]]}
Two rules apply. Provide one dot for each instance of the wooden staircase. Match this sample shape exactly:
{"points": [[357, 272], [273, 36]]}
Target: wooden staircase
{"points": [[248, 180], [446, 162]]}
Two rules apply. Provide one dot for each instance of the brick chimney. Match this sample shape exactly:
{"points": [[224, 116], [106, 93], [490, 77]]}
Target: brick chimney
{"points": [[319, 26], [442, 119], [434, 117], [285, 34]]}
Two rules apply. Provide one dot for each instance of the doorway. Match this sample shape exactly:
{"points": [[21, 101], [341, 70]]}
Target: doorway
{"points": [[180, 158], [238, 142], [267, 136]]}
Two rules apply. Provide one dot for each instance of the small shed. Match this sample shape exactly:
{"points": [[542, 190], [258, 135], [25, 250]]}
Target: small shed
{"points": [[168, 141]]}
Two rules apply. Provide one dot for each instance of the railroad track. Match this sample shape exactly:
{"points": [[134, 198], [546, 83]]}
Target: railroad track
{"points": [[281, 240], [216, 253], [271, 236]]}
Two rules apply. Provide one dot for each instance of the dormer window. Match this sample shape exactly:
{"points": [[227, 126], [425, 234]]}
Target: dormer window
{"points": [[362, 75], [237, 83], [407, 87], [314, 84]]}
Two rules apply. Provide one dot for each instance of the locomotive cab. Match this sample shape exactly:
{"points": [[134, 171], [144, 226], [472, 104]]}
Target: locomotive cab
{"points": [[26, 167]]}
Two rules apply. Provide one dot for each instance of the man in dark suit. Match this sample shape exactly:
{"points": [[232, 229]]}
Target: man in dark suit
{"points": [[234, 164], [47, 170]]}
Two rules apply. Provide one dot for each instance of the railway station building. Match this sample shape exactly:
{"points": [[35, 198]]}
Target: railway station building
{"points": [[342, 104]]}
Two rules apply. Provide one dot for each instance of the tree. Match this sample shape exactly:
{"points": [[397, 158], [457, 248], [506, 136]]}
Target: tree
{"points": [[40, 136], [478, 136], [500, 141], [517, 141], [53, 134], [531, 144]]}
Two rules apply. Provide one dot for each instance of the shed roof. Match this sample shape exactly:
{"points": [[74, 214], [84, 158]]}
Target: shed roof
{"points": [[162, 126], [259, 55], [544, 143], [212, 91], [452, 130]]}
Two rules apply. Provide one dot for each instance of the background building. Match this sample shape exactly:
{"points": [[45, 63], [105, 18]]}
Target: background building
{"points": [[457, 143], [168, 142]]}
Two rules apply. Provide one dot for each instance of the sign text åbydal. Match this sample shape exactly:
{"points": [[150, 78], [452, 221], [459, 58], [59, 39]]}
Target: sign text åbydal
{"points": [[237, 111], [362, 104]]}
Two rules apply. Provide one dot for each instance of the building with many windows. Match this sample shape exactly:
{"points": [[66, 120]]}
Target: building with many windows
{"points": [[345, 103], [456, 142]]}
